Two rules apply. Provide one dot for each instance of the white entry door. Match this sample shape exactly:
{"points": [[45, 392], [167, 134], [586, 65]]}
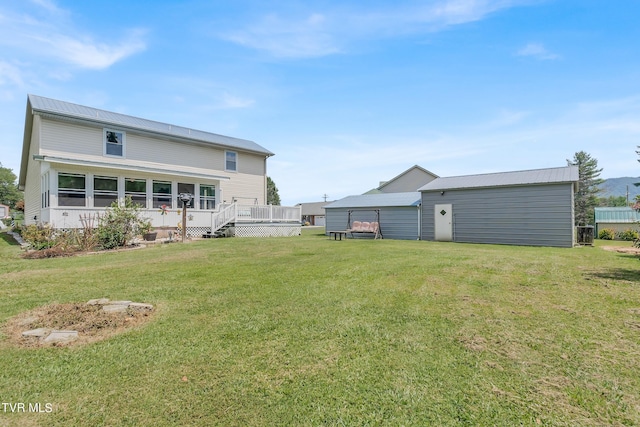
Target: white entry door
{"points": [[443, 223]]}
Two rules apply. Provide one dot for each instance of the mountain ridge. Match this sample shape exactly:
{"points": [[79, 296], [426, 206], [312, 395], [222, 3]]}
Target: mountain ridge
{"points": [[617, 187]]}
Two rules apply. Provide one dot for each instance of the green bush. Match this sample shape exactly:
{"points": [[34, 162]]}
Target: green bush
{"points": [[606, 234], [628, 235], [120, 224], [38, 236]]}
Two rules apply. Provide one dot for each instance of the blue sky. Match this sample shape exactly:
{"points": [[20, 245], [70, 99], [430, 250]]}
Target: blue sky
{"points": [[345, 93]]}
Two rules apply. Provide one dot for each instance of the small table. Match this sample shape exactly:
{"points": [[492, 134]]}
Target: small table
{"points": [[337, 234]]}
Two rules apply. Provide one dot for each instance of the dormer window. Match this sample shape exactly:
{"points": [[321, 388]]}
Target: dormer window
{"points": [[114, 141]]}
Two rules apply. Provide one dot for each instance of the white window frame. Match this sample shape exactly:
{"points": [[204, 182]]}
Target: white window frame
{"points": [[226, 165], [79, 191], [113, 194], [105, 142], [207, 198]]}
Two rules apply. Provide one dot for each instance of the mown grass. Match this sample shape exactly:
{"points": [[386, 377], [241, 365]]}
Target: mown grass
{"points": [[311, 331]]}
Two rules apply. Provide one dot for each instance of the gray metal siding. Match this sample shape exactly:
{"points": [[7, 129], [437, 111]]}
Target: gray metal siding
{"points": [[537, 215], [399, 223]]}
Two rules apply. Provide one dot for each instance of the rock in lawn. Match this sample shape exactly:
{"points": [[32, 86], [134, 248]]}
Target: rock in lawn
{"points": [[61, 336]]}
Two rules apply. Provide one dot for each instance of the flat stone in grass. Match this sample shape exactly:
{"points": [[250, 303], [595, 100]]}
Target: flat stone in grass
{"points": [[98, 301], [115, 308], [140, 306], [61, 336], [37, 333], [126, 303]]}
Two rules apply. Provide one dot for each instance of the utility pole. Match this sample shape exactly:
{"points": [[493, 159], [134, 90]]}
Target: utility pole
{"points": [[325, 197]]}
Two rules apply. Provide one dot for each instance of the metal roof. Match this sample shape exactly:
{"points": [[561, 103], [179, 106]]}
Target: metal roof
{"points": [[619, 215], [568, 174], [67, 109], [377, 200]]}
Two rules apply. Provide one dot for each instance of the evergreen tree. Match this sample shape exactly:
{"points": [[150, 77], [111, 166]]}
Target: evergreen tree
{"points": [[9, 193], [273, 198], [588, 181]]}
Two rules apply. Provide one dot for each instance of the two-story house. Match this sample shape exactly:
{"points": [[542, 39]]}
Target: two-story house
{"points": [[78, 160]]}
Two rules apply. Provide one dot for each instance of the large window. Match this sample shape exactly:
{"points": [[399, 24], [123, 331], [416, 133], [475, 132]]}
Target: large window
{"points": [[71, 189], [114, 141], [105, 191], [137, 190], [207, 196], [161, 194], [231, 161]]}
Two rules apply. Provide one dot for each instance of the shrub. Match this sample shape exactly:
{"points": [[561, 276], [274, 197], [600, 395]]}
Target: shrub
{"points": [[38, 236], [120, 224], [606, 234], [628, 235]]}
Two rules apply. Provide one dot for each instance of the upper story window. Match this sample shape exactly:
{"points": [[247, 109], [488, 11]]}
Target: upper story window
{"points": [[114, 141], [231, 161]]}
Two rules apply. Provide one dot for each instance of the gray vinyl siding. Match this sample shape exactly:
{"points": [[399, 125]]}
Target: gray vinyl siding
{"points": [[535, 215], [401, 223]]}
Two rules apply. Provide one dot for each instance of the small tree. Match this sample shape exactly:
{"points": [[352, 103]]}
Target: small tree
{"points": [[9, 193], [273, 198], [586, 199], [120, 224]]}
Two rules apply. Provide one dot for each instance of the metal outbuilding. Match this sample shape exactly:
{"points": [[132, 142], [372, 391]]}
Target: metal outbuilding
{"points": [[532, 207], [399, 213], [616, 219]]}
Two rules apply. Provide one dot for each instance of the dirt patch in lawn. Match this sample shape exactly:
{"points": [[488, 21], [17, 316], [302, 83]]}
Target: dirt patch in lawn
{"points": [[90, 321], [622, 249]]}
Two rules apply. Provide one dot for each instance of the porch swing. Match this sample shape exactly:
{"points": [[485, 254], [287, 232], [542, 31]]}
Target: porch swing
{"points": [[364, 227]]}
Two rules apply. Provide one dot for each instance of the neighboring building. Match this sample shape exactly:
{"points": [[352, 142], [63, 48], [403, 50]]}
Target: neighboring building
{"points": [[4, 211], [77, 160], [397, 213], [313, 213], [617, 219], [410, 180], [534, 208]]}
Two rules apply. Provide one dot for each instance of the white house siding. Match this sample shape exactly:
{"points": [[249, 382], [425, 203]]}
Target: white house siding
{"points": [[246, 189], [85, 142], [80, 142], [32, 189], [535, 215], [401, 223]]}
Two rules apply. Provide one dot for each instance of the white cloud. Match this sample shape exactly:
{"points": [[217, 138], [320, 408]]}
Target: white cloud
{"points": [[231, 101], [316, 34], [282, 37], [10, 74], [88, 53], [48, 32], [537, 51]]}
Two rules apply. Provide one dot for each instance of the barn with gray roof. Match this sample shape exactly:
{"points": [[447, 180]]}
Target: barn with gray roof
{"points": [[533, 208], [397, 213]]}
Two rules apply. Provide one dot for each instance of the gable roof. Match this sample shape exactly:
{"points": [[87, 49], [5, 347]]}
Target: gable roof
{"points": [[377, 200], [66, 109], [566, 174], [410, 170]]}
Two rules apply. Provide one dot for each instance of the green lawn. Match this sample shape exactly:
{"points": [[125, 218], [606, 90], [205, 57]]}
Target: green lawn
{"points": [[311, 331]]}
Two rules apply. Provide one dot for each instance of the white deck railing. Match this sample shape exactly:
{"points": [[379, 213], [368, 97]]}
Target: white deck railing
{"points": [[69, 217]]}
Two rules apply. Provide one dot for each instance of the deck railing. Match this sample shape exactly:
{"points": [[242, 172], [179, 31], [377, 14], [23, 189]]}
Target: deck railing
{"points": [[69, 217]]}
